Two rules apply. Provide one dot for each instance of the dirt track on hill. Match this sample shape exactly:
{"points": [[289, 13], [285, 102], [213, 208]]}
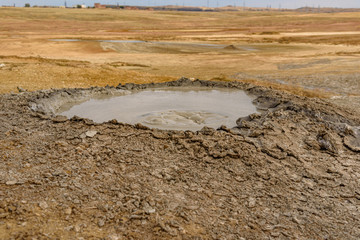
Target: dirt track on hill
{"points": [[291, 172]]}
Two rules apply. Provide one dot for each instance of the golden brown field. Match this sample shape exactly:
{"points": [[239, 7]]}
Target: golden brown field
{"points": [[301, 53]]}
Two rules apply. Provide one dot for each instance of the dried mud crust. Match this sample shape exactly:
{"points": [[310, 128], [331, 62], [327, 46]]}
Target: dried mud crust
{"points": [[291, 172]]}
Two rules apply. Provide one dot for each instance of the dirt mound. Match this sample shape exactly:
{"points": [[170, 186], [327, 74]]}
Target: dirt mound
{"points": [[231, 47], [285, 173]]}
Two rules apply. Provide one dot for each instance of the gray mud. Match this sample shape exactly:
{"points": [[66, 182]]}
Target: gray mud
{"points": [[304, 65], [346, 96], [177, 108], [290, 172], [138, 46]]}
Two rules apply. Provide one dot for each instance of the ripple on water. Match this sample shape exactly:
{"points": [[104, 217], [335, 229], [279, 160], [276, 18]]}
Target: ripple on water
{"points": [[172, 109]]}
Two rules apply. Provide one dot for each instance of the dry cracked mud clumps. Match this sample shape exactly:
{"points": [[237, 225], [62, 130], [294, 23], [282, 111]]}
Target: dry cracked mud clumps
{"points": [[291, 172]]}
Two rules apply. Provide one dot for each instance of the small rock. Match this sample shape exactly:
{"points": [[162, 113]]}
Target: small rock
{"points": [[192, 207], [136, 216], [91, 134], [11, 182], [69, 228], [42, 116], [68, 211], [101, 223], [149, 210], [43, 205], [207, 130], [20, 89], [61, 143], [77, 228], [296, 220], [59, 119], [4, 215], [2, 65], [113, 237], [353, 143], [142, 127], [223, 128], [89, 122], [252, 202], [208, 193]]}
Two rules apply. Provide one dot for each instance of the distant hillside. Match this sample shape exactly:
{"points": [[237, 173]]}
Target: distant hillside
{"points": [[326, 10]]}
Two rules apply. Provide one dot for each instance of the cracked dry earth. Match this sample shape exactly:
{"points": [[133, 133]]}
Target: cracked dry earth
{"points": [[291, 172]]}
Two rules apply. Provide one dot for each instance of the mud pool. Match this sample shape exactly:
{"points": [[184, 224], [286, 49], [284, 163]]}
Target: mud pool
{"points": [[169, 47], [296, 165], [171, 109]]}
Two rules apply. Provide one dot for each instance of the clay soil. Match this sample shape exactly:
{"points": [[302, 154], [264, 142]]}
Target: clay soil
{"points": [[289, 172]]}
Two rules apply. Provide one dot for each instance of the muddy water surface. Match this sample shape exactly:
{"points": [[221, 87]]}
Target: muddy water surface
{"points": [[172, 109], [168, 47]]}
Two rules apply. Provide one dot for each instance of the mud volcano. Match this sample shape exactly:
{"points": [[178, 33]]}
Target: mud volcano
{"points": [[290, 171], [182, 108]]}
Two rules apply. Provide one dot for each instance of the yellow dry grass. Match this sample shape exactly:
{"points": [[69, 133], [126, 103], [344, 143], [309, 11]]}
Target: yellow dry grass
{"points": [[93, 21], [25, 32], [34, 73], [297, 90]]}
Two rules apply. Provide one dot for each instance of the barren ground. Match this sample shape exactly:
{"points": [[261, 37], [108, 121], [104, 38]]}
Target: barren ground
{"points": [[291, 172]]}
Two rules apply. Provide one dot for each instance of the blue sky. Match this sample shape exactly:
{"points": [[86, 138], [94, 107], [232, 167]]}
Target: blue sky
{"points": [[212, 3]]}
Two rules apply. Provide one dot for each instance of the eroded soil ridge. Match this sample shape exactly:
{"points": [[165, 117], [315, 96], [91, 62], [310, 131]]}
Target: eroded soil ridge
{"points": [[290, 172]]}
